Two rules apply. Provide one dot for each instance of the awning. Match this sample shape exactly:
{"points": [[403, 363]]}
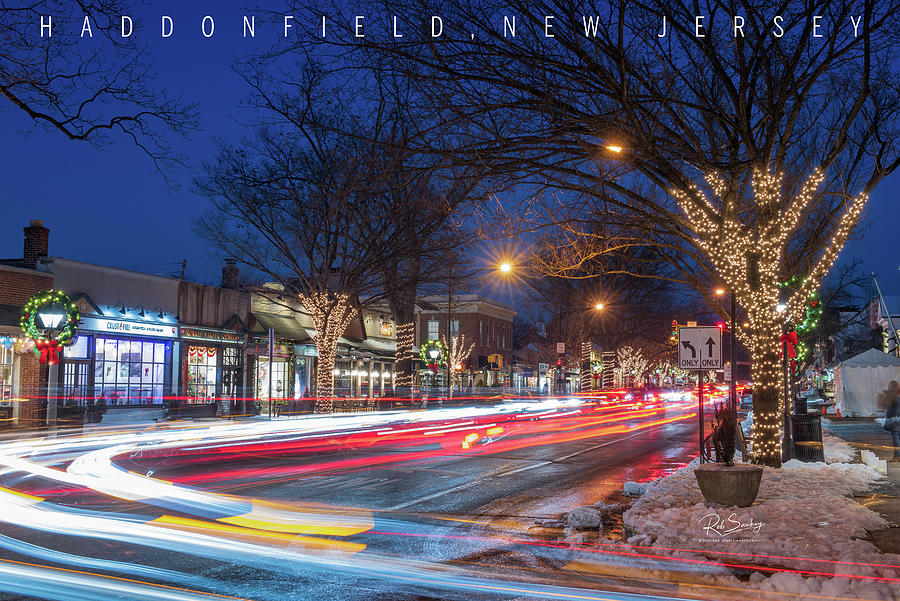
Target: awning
{"points": [[379, 346], [285, 327]]}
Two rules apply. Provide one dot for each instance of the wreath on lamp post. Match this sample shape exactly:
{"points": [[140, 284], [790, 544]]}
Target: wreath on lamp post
{"points": [[434, 354], [50, 319]]}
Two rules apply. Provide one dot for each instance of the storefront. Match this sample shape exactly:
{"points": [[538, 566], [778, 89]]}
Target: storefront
{"points": [[280, 368], [119, 363], [212, 367], [304, 370]]}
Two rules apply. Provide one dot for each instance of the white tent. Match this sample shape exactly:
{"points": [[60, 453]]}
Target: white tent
{"points": [[859, 379]]}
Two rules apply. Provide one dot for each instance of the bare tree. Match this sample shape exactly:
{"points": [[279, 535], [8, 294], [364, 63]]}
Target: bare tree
{"points": [[459, 352], [80, 77], [632, 364], [744, 155], [302, 205]]}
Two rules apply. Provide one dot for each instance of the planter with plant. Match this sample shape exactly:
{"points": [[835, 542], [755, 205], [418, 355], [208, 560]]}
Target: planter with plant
{"points": [[724, 481]]}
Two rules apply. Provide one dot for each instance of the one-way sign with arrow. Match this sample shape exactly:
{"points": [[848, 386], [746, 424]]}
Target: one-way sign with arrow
{"points": [[699, 348]]}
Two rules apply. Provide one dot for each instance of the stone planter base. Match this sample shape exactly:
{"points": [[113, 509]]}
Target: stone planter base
{"points": [[735, 485]]}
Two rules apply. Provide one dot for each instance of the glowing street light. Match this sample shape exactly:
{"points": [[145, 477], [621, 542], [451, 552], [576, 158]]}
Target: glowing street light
{"points": [[720, 291], [505, 267], [598, 306], [614, 148]]}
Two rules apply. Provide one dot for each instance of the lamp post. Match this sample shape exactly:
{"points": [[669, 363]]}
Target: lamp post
{"points": [[786, 440], [434, 354], [732, 325]]}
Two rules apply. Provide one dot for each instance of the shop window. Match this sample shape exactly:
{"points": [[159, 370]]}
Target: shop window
{"points": [[279, 379], [6, 373], [343, 378], [454, 328], [130, 372], [201, 374], [76, 382], [231, 371], [433, 330]]}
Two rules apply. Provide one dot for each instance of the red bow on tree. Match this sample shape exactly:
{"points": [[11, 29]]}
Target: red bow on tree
{"points": [[789, 340], [49, 352]]}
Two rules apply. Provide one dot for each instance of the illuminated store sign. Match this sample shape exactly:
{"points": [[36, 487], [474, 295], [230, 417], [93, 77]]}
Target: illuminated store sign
{"points": [[129, 328]]}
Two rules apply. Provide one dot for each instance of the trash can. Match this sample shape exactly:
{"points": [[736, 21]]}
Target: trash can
{"points": [[807, 434], [800, 405]]}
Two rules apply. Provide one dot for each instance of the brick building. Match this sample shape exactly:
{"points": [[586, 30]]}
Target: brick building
{"points": [[486, 323], [23, 380]]}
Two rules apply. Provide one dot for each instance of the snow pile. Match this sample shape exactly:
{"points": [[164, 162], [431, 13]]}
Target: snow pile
{"points": [[803, 513], [836, 450], [635, 489], [584, 518], [591, 516]]}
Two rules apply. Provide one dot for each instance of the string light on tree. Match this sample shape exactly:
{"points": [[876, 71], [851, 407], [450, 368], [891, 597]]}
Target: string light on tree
{"points": [[460, 349], [403, 377], [331, 314], [749, 258]]}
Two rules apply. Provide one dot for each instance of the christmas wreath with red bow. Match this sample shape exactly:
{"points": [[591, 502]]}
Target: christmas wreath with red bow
{"points": [[61, 305], [425, 353]]}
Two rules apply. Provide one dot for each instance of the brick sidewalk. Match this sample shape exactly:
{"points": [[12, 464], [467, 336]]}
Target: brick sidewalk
{"points": [[864, 433]]}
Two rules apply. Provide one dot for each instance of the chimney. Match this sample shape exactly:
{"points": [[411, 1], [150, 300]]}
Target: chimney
{"points": [[37, 242], [230, 275]]}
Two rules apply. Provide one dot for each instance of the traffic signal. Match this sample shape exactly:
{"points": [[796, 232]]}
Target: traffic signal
{"points": [[674, 336], [559, 363], [721, 325]]}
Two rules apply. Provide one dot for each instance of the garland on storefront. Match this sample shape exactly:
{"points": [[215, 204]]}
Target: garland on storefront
{"points": [[424, 354], [48, 346]]}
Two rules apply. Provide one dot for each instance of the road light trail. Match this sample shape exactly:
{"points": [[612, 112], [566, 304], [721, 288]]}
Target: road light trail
{"points": [[263, 534]]}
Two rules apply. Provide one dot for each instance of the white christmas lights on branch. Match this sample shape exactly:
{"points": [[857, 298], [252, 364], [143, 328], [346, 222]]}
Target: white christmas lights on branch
{"points": [[331, 314], [737, 250]]}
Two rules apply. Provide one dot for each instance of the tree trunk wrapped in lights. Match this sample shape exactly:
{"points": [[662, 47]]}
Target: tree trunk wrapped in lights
{"points": [[403, 371], [331, 314], [749, 258]]}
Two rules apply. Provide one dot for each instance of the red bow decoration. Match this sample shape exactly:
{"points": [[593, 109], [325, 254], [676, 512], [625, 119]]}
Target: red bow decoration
{"points": [[433, 367], [791, 340], [49, 352]]}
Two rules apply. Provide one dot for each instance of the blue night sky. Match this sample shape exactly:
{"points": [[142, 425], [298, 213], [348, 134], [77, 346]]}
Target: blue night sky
{"points": [[110, 206]]}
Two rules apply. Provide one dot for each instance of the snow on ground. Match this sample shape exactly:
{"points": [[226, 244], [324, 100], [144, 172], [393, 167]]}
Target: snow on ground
{"points": [[804, 514], [836, 450]]}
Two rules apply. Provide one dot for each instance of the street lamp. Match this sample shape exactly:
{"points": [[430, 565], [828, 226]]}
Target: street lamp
{"points": [[505, 267], [614, 148], [598, 306], [720, 292]]}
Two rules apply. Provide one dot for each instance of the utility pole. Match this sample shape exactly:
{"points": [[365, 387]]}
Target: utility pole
{"points": [[449, 324]]}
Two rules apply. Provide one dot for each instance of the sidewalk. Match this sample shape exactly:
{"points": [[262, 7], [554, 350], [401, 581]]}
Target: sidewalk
{"points": [[864, 433]]}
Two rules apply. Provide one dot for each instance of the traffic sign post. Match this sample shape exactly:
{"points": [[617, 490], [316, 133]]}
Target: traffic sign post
{"points": [[700, 348]]}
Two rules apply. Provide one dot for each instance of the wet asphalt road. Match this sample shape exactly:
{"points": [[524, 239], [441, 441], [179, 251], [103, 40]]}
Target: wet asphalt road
{"points": [[511, 493]]}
